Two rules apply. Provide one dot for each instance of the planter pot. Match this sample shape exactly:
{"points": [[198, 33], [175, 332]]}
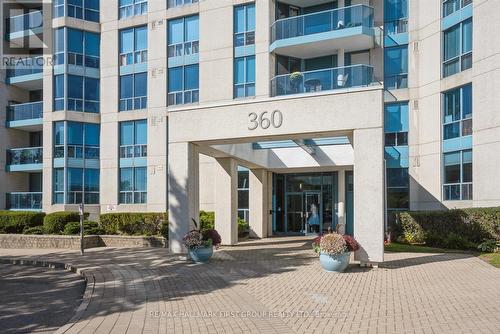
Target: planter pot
{"points": [[334, 263], [201, 254]]}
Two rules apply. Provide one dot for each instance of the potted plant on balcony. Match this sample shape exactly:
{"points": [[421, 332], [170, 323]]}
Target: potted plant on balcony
{"points": [[296, 80], [200, 244], [334, 251]]}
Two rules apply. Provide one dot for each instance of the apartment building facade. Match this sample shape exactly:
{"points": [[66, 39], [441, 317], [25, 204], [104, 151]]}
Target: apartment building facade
{"points": [[297, 116]]}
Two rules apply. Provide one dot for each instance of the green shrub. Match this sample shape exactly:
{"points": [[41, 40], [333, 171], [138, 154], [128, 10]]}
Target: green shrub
{"points": [[207, 220], [18, 221], [242, 227], [489, 246], [460, 228], [89, 228], [38, 230], [54, 223], [133, 223]]}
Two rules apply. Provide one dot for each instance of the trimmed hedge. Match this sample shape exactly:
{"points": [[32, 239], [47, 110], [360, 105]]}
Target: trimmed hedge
{"points": [[457, 229], [18, 221], [89, 228], [54, 223], [132, 223]]}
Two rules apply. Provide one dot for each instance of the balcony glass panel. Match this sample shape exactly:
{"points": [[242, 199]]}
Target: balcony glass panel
{"points": [[330, 20], [396, 27], [25, 111], [24, 201], [321, 80], [25, 156], [27, 21], [26, 66]]}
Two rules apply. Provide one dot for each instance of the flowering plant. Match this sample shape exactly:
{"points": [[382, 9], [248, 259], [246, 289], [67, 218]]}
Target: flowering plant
{"points": [[332, 244], [193, 239], [351, 243], [213, 237], [197, 238]]}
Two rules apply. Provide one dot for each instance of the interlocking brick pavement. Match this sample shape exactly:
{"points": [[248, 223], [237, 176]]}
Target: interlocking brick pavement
{"points": [[277, 286]]}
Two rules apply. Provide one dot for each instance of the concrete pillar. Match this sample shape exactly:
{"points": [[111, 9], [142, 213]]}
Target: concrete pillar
{"points": [[259, 212], [226, 200], [183, 200], [341, 202], [369, 194]]}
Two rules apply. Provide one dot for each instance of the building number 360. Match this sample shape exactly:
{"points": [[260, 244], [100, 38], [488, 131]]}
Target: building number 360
{"points": [[265, 119]]}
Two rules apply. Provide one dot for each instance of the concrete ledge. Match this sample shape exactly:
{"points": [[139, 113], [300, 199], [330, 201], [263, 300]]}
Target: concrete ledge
{"points": [[73, 242]]}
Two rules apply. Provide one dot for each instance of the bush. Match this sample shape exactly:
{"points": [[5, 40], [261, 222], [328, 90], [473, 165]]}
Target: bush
{"points": [[89, 228], [242, 227], [38, 230], [18, 221], [133, 223], [54, 223], [489, 246], [207, 220], [460, 229]]}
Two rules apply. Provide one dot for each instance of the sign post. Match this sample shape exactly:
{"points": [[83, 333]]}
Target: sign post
{"points": [[81, 211]]}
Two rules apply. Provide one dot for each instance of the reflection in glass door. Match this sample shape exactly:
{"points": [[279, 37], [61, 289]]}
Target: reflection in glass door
{"points": [[313, 212], [295, 213]]}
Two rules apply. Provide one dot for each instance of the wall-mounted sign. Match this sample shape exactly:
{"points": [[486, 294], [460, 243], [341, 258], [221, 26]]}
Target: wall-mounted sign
{"points": [[265, 120]]}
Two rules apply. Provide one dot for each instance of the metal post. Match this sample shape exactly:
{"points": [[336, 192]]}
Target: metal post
{"points": [[81, 211]]}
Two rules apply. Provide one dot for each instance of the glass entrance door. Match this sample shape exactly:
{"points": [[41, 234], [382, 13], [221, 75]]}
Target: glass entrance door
{"points": [[313, 212], [295, 213]]}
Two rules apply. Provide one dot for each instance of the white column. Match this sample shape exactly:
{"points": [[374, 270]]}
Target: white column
{"points": [[369, 194], [341, 202], [183, 200], [226, 200], [258, 201]]}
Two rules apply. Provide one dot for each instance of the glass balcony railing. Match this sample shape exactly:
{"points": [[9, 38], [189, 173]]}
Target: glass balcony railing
{"points": [[27, 21], [397, 81], [26, 66], [25, 156], [25, 111], [321, 80], [330, 20], [396, 27], [24, 201]]}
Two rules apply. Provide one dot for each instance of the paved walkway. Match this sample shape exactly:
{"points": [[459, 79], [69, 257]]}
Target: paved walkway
{"points": [[277, 286]]}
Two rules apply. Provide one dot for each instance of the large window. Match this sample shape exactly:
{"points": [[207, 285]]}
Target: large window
{"points": [[133, 185], [457, 114], [243, 193], [76, 140], [183, 84], [133, 139], [451, 6], [244, 76], [77, 94], [457, 50], [133, 91], [133, 46], [244, 25], [396, 67], [80, 9], [395, 16], [457, 175], [129, 8], [397, 188], [396, 124], [81, 49], [183, 36]]}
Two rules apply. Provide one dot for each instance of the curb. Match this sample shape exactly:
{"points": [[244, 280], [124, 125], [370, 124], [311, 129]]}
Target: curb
{"points": [[87, 276]]}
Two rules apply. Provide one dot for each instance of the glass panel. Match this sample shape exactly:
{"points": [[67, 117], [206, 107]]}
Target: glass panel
{"points": [[294, 213], [452, 42], [175, 31], [141, 38], [141, 132], [127, 133], [467, 36], [126, 179], [75, 133], [141, 84], [175, 76], [313, 213], [140, 179], [191, 80], [192, 29]]}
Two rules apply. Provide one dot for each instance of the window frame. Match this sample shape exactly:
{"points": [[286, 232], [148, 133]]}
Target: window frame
{"points": [[135, 102], [178, 97], [246, 85], [463, 61], [137, 56], [135, 150], [465, 121], [248, 35], [179, 49], [461, 185], [133, 194], [123, 9], [461, 4]]}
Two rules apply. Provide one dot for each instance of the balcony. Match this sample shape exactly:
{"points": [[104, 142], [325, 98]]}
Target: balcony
{"points": [[26, 73], [322, 80], [25, 25], [24, 201], [25, 159], [25, 116], [323, 33]]}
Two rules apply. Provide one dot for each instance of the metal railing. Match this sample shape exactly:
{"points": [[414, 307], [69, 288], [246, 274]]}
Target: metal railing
{"points": [[457, 191], [25, 111], [75, 197], [25, 156], [329, 20], [133, 151], [24, 201], [27, 21], [133, 197], [134, 103], [396, 27], [321, 80], [183, 97], [451, 6], [77, 152], [183, 49]]}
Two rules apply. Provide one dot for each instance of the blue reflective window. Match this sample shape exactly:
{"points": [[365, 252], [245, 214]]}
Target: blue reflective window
{"points": [[457, 175], [83, 48], [81, 9], [59, 133], [133, 185], [244, 25], [92, 134], [183, 36], [397, 188], [133, 139], [457, 113], [183, 84], [75, 133], [133, 91], [58, 186], [129, 8], [244, 76], [457, 48], [451, 6], [58, 92], [395, 9], [396, 67], [134, 45]]}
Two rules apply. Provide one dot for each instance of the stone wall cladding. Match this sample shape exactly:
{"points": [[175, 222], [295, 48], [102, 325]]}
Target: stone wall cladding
{"points": [[73, 242]]}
